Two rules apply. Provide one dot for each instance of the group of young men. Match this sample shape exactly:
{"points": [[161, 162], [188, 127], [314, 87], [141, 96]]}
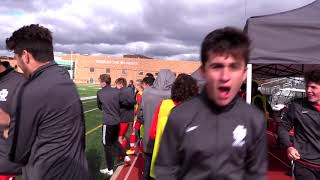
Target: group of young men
{"points": [[118, 107], [214, 135]]}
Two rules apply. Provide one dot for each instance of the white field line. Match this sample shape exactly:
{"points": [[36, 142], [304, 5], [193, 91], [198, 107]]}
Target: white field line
{"points": [[88, 101], [88, 98], [90, 110], [94, 129]]}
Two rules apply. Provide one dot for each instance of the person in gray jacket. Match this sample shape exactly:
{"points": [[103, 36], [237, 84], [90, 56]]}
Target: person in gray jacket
{"points": [[216, 135], [108, 101], [151, 98], [49, 131]]}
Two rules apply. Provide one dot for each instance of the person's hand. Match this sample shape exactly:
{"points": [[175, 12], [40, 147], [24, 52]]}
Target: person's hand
{"points": [[4, 123], [4, 118], [5, 134], [293, 153]]}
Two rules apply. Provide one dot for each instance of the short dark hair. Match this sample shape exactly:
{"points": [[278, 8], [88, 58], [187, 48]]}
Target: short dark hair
{"points": [[226, 41], [5, 63], [122, 81], [35, 39], [149, 75], [105, 78], [183, 88], [148, 80], [312, 76]]}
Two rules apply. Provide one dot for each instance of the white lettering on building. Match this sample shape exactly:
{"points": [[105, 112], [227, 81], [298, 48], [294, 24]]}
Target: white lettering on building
{"points": [[131, 63]]}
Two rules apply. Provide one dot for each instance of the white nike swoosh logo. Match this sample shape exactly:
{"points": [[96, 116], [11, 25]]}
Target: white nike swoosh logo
{"points": [[304, 112], [192, 128]]}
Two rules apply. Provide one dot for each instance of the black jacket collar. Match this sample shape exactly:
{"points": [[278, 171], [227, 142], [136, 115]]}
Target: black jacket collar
{"points": [[37, 72], [213, 106]]}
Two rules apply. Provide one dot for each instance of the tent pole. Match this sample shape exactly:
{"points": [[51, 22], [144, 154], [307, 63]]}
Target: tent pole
{"points": [[249, 81]]}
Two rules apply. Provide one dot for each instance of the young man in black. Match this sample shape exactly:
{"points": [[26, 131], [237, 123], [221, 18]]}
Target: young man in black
{"points": [[108, 100], [49, 133], [127, 101], [304, 116], [216, 135], [10, 82]]}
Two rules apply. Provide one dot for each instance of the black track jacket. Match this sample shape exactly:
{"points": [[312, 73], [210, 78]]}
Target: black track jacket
{"points": [[49, 136], [306, 122], [203, 141]]}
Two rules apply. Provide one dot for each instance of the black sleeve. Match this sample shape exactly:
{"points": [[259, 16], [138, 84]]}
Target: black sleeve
{"points": [[127, 97], [285, 125], [99, 104], [167, 164], [256, 160], [26, 122]]}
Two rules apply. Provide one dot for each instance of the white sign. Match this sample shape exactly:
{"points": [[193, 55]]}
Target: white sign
{"points": [[132, 63]]}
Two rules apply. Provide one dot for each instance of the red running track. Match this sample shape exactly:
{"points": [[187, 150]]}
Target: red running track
{"points": [[278, 165], [277, 170]]}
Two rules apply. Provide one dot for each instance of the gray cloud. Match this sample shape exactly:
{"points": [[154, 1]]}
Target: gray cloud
{"points": [[165, 29], [33, 5]]}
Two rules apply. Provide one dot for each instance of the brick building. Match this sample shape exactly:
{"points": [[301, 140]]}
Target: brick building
{"points": [[86, 69]]}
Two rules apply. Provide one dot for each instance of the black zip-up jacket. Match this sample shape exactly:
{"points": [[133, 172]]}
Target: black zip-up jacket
{"points": [[108, 102], [306, 122], [127, 102], [49, 136], [10, 81], [203, 141]]}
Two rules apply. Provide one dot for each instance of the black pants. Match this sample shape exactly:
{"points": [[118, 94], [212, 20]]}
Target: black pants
{"points": [[110, 140], [147, 166], [304, 172]]}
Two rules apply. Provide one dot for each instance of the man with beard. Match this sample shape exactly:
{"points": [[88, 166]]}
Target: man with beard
{"points": [[49, 133]]}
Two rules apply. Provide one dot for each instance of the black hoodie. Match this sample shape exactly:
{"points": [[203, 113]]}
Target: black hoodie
{"points": [[127, 101]]}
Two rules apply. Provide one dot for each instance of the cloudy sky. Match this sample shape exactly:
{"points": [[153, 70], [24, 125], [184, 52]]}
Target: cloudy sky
{"points": [[169, 29]]}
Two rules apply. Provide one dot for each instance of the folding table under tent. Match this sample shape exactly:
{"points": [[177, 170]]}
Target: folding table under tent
{"points": [[285, 44]]}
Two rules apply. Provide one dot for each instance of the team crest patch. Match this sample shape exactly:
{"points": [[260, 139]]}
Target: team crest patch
{"points": [[3, 94], [239, 133]]}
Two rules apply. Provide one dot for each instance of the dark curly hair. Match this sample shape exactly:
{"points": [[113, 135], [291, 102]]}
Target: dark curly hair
{"points": [[312, 76], [183, 88], [122, 81], [35, 39]]}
